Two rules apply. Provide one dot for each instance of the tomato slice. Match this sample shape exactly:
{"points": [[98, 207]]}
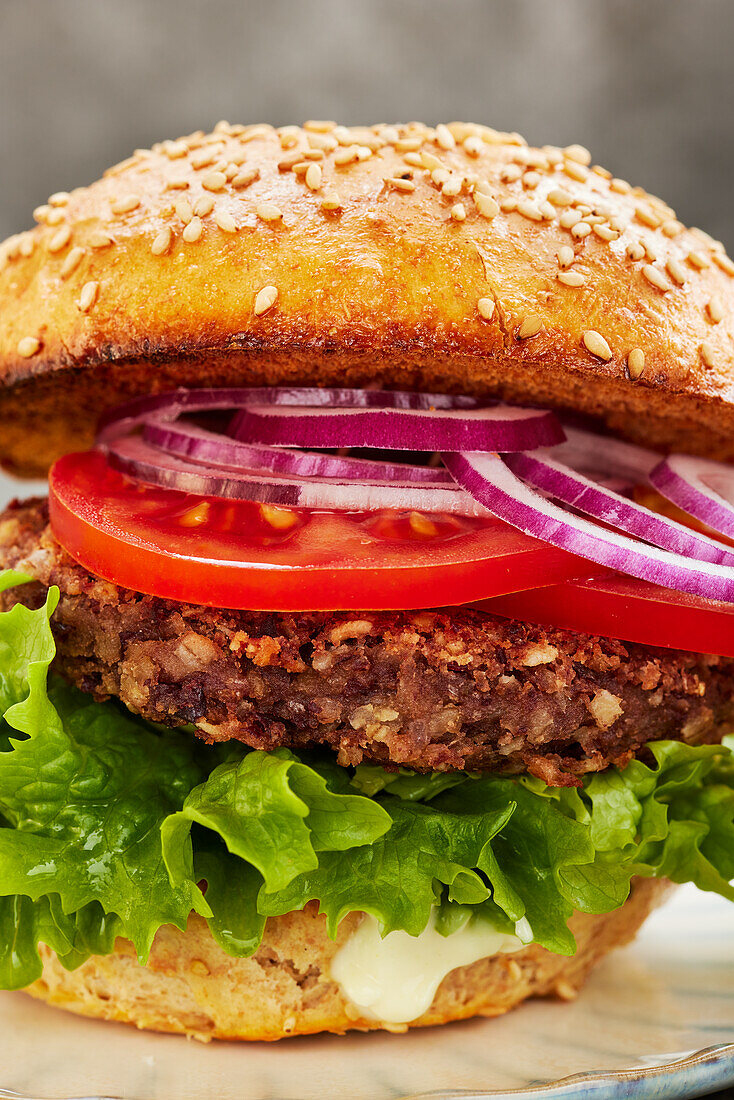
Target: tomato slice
{"points": [[240, 554], [626, 608]]}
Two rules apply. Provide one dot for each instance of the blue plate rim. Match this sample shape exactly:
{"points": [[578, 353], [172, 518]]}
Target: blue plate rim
{"points": [[693, 1074]]}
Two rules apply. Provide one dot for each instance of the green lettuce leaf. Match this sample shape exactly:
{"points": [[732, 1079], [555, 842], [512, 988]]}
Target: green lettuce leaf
{"points": [[110, 826]]}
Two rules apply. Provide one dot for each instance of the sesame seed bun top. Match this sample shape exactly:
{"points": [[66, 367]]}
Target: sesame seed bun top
{"points": [[453, 258]]}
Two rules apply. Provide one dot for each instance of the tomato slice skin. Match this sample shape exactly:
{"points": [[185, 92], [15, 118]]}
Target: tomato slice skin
{"points": [[626, 608], [151, 540]]}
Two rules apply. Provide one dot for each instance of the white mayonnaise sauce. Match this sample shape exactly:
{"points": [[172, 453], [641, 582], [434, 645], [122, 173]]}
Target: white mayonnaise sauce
{"points": [[395, 979]]}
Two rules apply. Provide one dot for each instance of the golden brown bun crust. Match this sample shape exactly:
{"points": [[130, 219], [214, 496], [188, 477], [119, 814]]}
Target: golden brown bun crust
{"points": [[191, 986], [110, 297]]}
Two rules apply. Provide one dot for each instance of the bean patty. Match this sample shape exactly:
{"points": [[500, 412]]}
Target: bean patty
{"points": [[430, 690]]}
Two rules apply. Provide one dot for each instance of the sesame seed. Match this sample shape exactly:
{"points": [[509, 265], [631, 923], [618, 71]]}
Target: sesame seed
{"points": [[41, 213], [722, 260], [559, 197], [597, 345], [651, 251], [529, 209], [28, 346], [244, 179], [697, 260], [635, 251], [413, 159], [313, 177], [676, 271], [440, 176], [184, 211], [268, 212], [575, 171], [214, 181], [322, 141], [636, 362], [444, 137], [578, 154], [603, 172], [430, 160], [225, 221], [345, 156], [331, 201], [202, 159], [486, 205], [399, 184], [100, 240], [27, 245], [473, 146], [88, 296], [265, 299], [59, 198], [529, 326], [569, 218], [71, 263], [60, 239], [175, 149], [458, 212], [671, 228], [178, 183], [287, 163], [531, 180], [162, 242], [620, 186], [486, 308], [508, 205], [647, 216], [483, 187], [606, 233], [408, 145], [655, 277], [203, 206], [571, 278], [510, 173], [707, 353], [319, 126], [580, 230], [452, 187], [565, 255], [193, 230], [593, 219], [548, 212], [715, 310], [125, 204], [55, 216]]}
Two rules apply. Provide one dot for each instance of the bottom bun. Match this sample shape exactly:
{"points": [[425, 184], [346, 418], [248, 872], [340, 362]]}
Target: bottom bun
{"points": [[191, 986]]}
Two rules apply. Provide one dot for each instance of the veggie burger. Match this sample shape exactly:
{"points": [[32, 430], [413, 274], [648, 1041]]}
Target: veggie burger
{"points": [[371, 661]]}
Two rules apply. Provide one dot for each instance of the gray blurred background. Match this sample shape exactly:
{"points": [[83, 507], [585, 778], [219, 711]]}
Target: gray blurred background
{"points": [[647, 85]]}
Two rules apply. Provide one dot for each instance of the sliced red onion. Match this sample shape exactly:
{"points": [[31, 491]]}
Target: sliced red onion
{"points": [[703, 488], [503, 428], [493, 484], [199, 445], [133, 456], [170, 405], [542, 471], [600, 456]]}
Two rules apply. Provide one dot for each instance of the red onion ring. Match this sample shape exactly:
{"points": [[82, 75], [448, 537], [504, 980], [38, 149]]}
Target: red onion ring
{"points": [[493, 484], [503, 428], [601, 456], [170, 405], [138, 459], [703, 488], [198, 445], [542, 471]]}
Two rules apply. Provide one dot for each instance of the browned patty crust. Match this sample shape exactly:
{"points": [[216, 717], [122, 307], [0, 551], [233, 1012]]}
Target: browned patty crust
{"points": [[441, 690]]}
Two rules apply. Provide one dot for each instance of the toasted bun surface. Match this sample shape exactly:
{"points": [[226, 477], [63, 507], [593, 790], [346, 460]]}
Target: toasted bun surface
{"points": [[191, 986], [454, 258]]}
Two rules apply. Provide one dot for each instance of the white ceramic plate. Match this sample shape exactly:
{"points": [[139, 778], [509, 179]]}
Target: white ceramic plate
{"points": [[637, 1030]]}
